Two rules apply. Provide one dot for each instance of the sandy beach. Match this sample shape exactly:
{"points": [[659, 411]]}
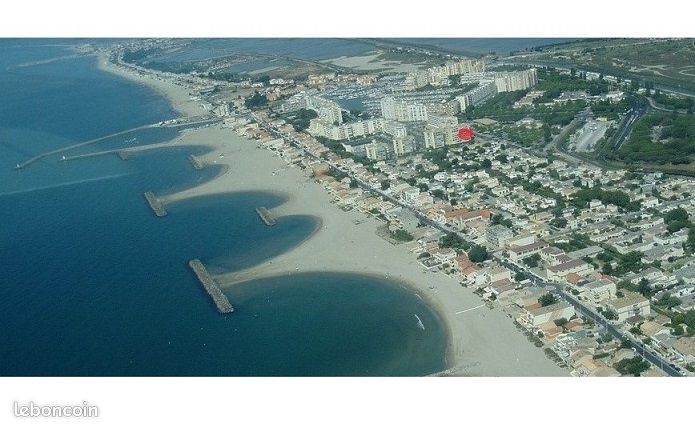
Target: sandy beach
{"points": [[178, 96], [483, 341]]}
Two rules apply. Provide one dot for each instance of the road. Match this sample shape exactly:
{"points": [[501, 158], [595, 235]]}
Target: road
{"points": [[649, 354], [626, 125]]}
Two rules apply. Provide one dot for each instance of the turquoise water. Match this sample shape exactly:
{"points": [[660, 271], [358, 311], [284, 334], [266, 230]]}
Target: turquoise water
{"points": [[92, 283]]}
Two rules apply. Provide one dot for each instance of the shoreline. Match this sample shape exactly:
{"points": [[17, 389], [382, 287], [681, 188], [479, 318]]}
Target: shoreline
{"points": [[178, 96], [483, 339]]}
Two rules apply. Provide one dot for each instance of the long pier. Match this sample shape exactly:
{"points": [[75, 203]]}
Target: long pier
{"points": [[191, 122], [40, 156], [156, 204], [266, 216], [211, 287]]}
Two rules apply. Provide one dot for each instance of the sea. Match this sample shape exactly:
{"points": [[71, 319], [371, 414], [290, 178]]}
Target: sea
{"points": [[93, 284]]}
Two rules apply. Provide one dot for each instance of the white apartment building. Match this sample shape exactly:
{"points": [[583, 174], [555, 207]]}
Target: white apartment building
{"points": [[441, 131], [600, 290], [498, 235], [629, 305], [509, 81], [478, 95], [538, 316], [403, 145], [345, 131], [395, 129], [402, 111], [439, 76]]}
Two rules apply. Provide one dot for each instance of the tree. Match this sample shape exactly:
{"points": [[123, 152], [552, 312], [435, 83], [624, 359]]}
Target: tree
{"points": [[668, 301], [634, 366], [500, 219], [402, 235], [689, 318], [487, 164], [519, 276], [477, 253], [559, 222], [547, 299], [502, 158], [560, 322], [256, 100], [452, 240], [676, 214], [610, 314], [547, 133], [532, 260], [385, 184], [438, 193]]}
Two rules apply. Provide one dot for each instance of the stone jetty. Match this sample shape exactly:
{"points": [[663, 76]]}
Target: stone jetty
{"points": [[266, 216], [211, 287], [156, 204]]}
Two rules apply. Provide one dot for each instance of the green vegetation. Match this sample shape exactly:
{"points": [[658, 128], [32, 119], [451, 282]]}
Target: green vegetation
{"points": [[532, 260], [610, 314], [301, 118], [477, 253], [616, 197], [554, 83], [560, 322], [385, 184], [641, 287], [402, 235], [610, 110], [453, 240], [677, 219], [500, 219], [673, 102], [660, 138], [634, 366], [547, 299], [559, 222], [334, 146], [256, 100], [576, 242]]}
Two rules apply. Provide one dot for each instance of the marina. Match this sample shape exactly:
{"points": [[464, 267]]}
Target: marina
{"points": [[211, 287]]}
